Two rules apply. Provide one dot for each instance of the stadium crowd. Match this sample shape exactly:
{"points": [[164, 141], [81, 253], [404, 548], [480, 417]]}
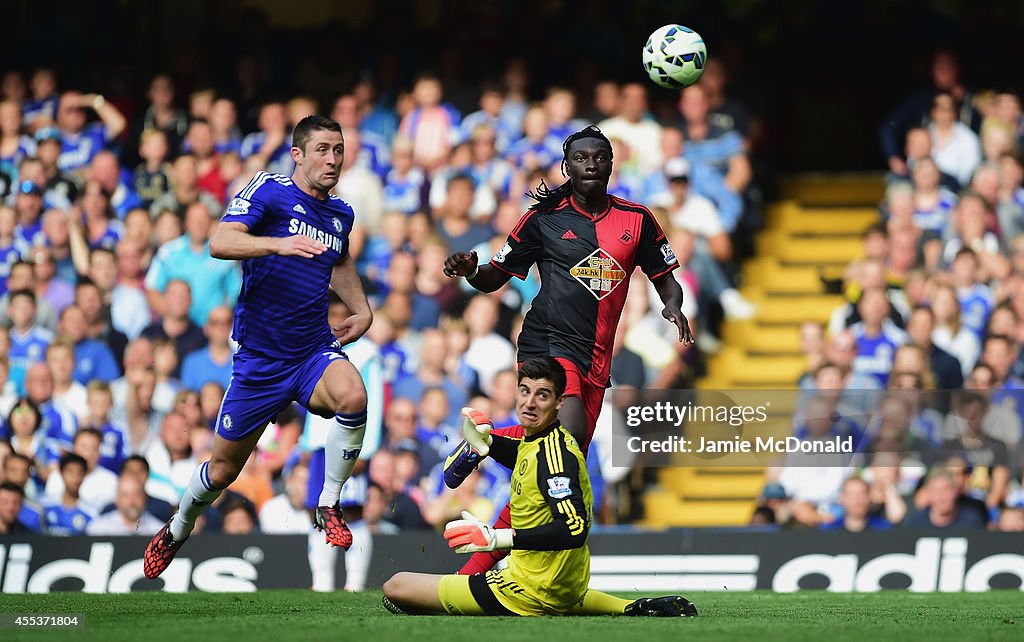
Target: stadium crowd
{"points": [[115, 347], [923, 364]]}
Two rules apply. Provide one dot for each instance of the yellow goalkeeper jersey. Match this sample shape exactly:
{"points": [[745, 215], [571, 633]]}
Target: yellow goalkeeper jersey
{"points": [[551, 507]]}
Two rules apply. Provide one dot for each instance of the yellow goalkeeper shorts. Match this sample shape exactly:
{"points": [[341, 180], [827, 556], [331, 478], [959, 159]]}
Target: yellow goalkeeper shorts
{"points": [[474, 595]]}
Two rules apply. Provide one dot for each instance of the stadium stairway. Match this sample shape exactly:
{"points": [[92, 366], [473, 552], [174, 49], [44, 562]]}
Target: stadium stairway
{"points": [[813, 231]]}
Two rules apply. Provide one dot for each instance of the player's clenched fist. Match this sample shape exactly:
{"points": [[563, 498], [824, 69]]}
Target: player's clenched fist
{"points": [[299, 245], [460, 264]]}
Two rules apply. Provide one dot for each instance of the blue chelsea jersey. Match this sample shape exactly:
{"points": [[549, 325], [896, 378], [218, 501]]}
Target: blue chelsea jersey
{"points": [[282, 308]]}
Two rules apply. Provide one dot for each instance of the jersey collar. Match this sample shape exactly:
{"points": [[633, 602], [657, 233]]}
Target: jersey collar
{"points": [[554, 425], [572, 202]]}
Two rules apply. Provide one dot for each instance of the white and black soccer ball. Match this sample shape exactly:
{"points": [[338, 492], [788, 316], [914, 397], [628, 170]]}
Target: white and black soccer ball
{"points": [[674, 56]]}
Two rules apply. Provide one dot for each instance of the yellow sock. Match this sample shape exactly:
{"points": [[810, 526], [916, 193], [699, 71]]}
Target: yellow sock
{"points": [[598, 603]]}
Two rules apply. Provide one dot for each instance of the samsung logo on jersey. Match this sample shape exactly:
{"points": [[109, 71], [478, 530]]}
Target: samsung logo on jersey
{"points": [[295, 226]]}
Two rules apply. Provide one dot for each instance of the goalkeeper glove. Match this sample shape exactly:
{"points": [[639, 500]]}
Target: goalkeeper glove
{"points": [[470, 535], [476, 432]]}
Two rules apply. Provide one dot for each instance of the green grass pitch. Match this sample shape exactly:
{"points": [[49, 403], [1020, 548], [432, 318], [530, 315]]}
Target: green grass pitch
{"points": [[302, 616]]}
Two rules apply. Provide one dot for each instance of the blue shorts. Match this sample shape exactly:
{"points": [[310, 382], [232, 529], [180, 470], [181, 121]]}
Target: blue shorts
{"points": [[261, 387]]}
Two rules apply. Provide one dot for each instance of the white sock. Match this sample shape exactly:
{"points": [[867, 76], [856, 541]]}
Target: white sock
{"points": [[344, 441], [197, 497], [323, 561], [357, 558]]}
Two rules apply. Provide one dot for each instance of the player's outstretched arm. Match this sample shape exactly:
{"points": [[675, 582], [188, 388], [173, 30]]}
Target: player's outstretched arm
{"points": [[485, 278], [345, 282], [672, 296], [233, 241]]}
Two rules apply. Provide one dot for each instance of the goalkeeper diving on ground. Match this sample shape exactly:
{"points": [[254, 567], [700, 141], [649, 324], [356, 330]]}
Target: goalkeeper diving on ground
{"points": [[549, 566]]}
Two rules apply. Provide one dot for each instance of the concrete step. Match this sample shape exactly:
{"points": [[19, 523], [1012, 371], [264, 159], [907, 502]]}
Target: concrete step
{"points": [[828, 189], [796, 219], [696, 483], [664, 509]]}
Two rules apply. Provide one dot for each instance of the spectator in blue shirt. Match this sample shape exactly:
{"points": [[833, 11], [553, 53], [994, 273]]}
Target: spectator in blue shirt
{"points": [[113, 445], [68, 516], [270, 144], [59, 190], [89, 298], [28, 206], [212, 282], [377, 115], [224, 124], [855, 504], [455, 227], [93, 358], [212, 363], [12, 248], [711, 145], [431, 374], [81, 140], [944, 510], [175, 323], [41, 109], [97, 226], [24, 434], [560, 105], [537, 148], [58, 424], [28, 341], [11, 498], [17, 144], [105, 170], [492, 100], [404, 184], [372, 152]]}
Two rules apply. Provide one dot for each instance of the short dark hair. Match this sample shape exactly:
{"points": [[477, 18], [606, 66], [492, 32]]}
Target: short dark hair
{"points": [[304, 130], [138, 458], [766, 513], [17, 456], [14, 488], [22, 263], [71, 458], [544, 368], [924, 307], [88, 431], [945, 93], [25, 293], [999, 337], [461, 177], [93, 252], [967, 397], [234, 503], [84, 281], [966, 251], [876, 228]]}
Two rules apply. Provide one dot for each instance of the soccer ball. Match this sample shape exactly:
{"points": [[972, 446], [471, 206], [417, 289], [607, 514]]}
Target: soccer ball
{"points": [[674, 56]]}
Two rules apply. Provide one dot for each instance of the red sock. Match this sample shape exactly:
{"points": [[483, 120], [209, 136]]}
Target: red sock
{"points": [[482, 562]]}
